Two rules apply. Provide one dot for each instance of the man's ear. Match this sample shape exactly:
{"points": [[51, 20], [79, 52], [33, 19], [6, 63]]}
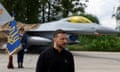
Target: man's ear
{"points": [[54, 39]]}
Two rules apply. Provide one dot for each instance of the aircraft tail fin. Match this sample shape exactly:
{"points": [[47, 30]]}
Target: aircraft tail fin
{"points": [[4, 15]]}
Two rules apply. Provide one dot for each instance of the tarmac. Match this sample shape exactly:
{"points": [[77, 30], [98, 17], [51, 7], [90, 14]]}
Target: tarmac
{"points": [[84, 62]]}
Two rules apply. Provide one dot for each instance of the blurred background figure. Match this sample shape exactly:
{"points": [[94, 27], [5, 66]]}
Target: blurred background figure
{"points": [[20, 54]]}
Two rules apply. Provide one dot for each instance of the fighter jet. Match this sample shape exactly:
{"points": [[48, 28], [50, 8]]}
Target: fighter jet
{"points": [[43, 34], [4, 15]]}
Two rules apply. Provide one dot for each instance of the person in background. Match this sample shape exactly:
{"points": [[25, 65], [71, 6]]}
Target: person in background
{"points": [[20, 54], [57, 58]]}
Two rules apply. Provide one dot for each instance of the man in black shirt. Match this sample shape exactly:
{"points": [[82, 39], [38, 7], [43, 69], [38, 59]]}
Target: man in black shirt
{"points": [[57, 58]]}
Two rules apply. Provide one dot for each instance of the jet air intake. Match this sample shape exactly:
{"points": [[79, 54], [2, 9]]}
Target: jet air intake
{"points": [[72, 39]]}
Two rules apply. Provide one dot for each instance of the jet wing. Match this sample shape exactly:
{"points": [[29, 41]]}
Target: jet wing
{"points": [[4, 15]]}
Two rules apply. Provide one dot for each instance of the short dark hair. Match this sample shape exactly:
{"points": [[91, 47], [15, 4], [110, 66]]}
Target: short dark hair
{"points": [[21, 29], [58, 32]]}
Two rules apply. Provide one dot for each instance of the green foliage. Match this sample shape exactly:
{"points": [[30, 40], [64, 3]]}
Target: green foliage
{"points": [[34, 11], [67, 7], [1, 0], [56, 9], [25, 11], [97, 43]]}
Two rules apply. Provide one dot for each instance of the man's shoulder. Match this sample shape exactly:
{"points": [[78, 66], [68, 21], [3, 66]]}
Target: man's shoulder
{"points": [[46, 51], [25, 35], [68, 52]]}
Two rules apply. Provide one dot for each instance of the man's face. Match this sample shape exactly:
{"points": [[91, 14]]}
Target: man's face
{"points": [[61, 40], [21, 32]]}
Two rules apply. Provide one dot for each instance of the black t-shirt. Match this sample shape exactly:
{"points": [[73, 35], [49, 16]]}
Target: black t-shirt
{"points": [[52, 61]]}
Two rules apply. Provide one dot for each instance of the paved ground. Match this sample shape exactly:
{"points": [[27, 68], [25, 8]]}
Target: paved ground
{"points": [[84, 62]]}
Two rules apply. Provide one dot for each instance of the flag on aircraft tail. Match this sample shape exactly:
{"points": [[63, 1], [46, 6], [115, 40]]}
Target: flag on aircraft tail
{"points": [[4, 15], [14, 43]]}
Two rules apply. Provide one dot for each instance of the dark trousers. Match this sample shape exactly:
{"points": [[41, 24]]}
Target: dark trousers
{"points": [[20, 56]]}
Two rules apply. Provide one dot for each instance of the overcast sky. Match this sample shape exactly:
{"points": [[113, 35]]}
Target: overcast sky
{"points": [[103, 9]]}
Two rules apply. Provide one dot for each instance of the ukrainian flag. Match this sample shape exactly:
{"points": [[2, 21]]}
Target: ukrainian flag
{"points": [[14, 43]]}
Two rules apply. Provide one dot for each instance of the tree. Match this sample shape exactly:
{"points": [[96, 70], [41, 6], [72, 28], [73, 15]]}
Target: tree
{"points": [[31, 11], [25, 11], [66, 8], [56, 9], [1, 0]]}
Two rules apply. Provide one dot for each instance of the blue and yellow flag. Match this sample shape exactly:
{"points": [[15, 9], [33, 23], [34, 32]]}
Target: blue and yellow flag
{"points": [[14, 43]]}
